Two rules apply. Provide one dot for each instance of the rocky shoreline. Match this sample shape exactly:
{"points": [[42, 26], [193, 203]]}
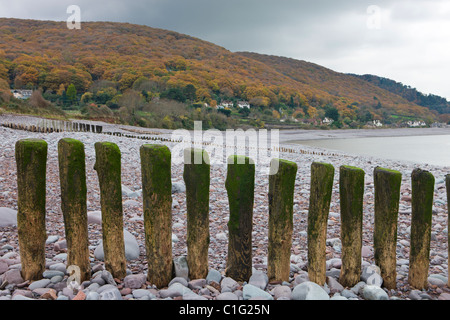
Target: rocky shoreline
{"points": [[216, 286]]}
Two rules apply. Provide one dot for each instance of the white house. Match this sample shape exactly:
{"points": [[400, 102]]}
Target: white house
{"points": [[377, 123], [243, 104], [327, 121], [22, 94], [415, 124], [227, 104]]}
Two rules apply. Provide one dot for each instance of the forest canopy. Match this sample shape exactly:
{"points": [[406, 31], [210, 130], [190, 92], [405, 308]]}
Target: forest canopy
{"points": [[100, 63]]}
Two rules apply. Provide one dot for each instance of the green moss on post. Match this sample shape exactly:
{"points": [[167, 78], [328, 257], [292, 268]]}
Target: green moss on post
{"points": [[281, 203], [109, 170], [72, 176], [351, 190], [387, 196], [421, 218], [197, 179], [157, 195], [31, 160], [322, 177], [240, 185]]}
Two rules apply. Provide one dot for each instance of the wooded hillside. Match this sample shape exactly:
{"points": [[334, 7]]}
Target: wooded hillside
{"points": [[101, 62]]}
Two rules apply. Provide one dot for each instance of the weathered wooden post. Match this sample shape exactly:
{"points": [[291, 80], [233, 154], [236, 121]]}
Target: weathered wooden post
{"points": [[281, 224], [31, 160], [421, 219], [72, 176], [109, 168], [157, 198], [322, 177], [351, 190], [387, 196], [197, 179], [240, 185], [447, 184]]}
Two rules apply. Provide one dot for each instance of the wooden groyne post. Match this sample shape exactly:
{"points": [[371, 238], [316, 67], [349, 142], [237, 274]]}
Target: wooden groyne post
{"points": [[387, 196], [351, 190], [72, 177], [421, 219], [197, 179], [322, 177], [157, 197], [281, 225], [31, 160], [240, 186], [108, 167]]}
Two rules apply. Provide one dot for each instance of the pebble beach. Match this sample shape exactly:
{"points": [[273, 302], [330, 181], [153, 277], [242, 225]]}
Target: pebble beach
{"points": [[216, 286]]}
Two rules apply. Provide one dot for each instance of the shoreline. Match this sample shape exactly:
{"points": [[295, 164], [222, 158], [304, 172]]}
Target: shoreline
{"points": [[289, 136], [286, 136]]}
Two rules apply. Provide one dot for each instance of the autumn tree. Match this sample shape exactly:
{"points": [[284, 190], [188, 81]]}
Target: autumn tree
{"points": [[5, 93], [71, 93], [61, 90], [332, 113], [190, 92], [37, 101]]}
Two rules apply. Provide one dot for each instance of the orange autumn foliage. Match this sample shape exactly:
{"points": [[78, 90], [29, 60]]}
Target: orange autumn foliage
{"points": [[45, 54]]}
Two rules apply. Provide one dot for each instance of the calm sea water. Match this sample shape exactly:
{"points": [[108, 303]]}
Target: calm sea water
{"points": [[434, 150]]}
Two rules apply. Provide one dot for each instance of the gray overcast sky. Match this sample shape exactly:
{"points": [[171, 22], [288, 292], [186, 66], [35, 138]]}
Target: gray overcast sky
{"points": [[405, 40]]}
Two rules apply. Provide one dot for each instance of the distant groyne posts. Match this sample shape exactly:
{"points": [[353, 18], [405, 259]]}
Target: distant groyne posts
{"points": [[59, 126], [53, 126], [156, 162]]}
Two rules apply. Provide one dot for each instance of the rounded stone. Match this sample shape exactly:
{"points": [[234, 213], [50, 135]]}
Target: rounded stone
{"points": [[227, 296], [374, 293], [309, 291]]}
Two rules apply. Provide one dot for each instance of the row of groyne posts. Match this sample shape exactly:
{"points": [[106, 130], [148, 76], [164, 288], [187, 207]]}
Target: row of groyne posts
{"points": [[57, 126], [31, 156], [50, 126]]}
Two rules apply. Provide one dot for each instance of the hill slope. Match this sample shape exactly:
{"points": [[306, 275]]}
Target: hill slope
{"points": [[430, 101], [346, 89], [45, 54]]}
